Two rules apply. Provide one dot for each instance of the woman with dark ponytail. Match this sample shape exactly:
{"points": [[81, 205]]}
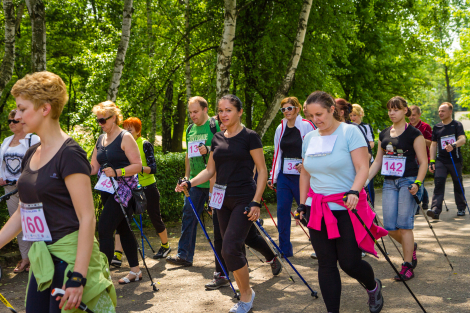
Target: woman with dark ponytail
{"points": [[400, 146]]}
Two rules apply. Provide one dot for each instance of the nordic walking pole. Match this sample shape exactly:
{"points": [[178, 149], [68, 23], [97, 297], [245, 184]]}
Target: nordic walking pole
{"points": [[130, 228], [447, 209], [145, 237], [261, 229], [460, 183], [60, 293], [7, 304], [385, 255], [381, 224], [186, 194], [369, 199], [268, 211], [249, 249], [430, 226]]}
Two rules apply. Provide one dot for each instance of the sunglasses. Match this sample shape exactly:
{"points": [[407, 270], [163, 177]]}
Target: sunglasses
{"points": [[287, 109], [13, 121], [103, 120]]}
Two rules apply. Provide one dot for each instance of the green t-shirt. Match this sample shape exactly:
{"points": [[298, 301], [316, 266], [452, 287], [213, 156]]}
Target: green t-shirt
{"points": [[199, 133]]}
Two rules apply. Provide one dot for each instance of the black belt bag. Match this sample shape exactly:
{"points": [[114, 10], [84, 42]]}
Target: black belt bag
{"points": [[139, 197]]}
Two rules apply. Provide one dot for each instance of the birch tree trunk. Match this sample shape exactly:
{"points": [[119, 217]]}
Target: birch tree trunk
{"points": [[8, 62], [19, 18], [153, 112], [37, 13], [187, 63], [121, 52], [224, 54], [286, 84], [178, 125]]}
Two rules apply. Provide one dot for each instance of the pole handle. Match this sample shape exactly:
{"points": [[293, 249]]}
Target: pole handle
{"points": [[185, 191], [414, 196]]}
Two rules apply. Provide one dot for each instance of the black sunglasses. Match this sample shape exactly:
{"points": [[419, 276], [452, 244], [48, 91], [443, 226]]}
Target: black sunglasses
{"points": [[287, 109], [103, 120], [13, 121]]}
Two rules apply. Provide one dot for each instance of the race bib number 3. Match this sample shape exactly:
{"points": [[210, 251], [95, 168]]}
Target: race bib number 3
{"points": [[393, 166], [218, 195], [447, 140], [193, 148], [289, 166], [33, 223], [104, 184]]}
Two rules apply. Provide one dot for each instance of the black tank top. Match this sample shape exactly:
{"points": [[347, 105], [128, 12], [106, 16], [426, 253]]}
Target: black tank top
{"points": [[112, 153]]}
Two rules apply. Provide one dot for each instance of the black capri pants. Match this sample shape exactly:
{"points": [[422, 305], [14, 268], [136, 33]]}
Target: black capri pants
{"points": [[344, 250], [153, 207], [234, 227], [112, 219]]}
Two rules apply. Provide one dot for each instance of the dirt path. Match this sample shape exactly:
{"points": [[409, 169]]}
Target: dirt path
{"points": [[182, 289]]}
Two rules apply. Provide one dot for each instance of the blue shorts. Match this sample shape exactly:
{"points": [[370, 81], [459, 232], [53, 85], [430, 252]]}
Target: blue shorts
{"points": [[398, 205]]}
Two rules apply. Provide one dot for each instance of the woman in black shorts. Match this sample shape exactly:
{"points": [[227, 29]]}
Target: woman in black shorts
{"points": [[55, 182], [234, 153], [116, 149]]}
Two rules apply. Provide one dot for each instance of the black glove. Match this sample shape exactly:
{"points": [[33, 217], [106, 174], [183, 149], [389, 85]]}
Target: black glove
{"points": [[302, 208], [185, 180]]}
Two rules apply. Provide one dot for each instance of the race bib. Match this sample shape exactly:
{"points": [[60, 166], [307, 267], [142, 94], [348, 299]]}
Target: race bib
{"points": [[321, 145], [449, 139], [193, 148], [289, 166], [393, 165], [104, 184], [218, 195], [33, 223]]}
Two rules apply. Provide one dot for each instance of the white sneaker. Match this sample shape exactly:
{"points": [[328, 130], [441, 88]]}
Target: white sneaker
{"points": [[245, 307]]}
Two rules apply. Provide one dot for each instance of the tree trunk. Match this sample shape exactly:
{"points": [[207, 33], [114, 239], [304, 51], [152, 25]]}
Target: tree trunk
{"points": [[37, 13], [224, 54], [19, 18], [284, 87], [166, 118], [153, 112], [187, 63], [448, 87], [178, 125], [121, 52], [8, 62]]}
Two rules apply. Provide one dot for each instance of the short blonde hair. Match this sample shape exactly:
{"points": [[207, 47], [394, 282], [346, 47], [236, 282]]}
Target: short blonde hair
{"points": [[451, 107], [108, 107], [202, 102], [357, 109], [41, 88]]}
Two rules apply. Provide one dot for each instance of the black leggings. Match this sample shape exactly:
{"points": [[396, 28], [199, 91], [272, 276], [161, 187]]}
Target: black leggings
{"points": [[153, 207], [343, 250], [112, 219], [253, 240], [234, 227], [42, 301]]}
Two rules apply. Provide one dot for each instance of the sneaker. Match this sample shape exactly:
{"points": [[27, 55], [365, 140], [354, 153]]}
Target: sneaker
{"points": [[276, 266], [406, 272], [116, 261], [461, 212], [162, 253], [433, 214], [376, 301], [217, 282], [414, 260], [313, 256], [178, 261], [243, 307]]}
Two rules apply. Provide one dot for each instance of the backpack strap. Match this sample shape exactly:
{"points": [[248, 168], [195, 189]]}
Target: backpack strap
{"points": [[212, 125]]}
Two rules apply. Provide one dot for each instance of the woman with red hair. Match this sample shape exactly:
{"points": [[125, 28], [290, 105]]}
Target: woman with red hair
{"points": [[148, 182]]}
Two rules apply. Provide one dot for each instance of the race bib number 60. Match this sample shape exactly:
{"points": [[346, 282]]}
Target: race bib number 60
{"points": [[33, 223], [218, 195], [393, 166]]}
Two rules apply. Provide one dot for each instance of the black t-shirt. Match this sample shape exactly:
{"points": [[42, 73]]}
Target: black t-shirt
{"points": [[291, 145], [454, 128], [402, 146], [47, 185], [233, 161]]}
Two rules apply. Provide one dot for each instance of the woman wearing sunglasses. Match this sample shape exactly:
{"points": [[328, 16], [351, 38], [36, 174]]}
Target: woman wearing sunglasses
{"points": [[118, 150], [12, 152], [287, 166]]}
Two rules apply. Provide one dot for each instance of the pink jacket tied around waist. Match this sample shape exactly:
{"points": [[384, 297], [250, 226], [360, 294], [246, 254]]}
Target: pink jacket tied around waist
{"points": [[320, 210]]}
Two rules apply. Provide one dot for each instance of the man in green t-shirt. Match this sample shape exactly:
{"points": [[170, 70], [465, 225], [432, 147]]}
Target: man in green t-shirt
{"points": [[201, 131]]}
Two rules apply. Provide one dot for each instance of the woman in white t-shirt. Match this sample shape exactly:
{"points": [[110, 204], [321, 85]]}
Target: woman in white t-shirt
{"points": [[11, 155]]}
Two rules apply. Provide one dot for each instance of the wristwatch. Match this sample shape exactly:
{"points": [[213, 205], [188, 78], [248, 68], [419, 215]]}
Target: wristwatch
{"points": [[454, 145]]}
